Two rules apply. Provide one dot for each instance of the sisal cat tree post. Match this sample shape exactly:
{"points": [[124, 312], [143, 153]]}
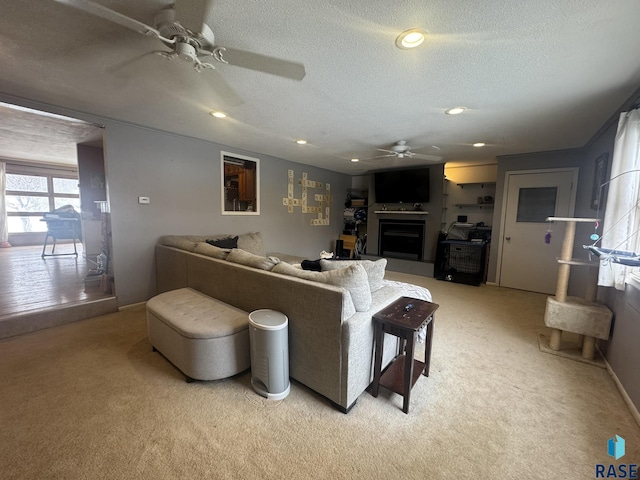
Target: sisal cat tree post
{"points": [[582, 316]]}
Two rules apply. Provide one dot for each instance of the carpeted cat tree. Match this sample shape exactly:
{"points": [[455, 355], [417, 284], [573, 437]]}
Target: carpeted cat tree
{"points": [[582, 316]]}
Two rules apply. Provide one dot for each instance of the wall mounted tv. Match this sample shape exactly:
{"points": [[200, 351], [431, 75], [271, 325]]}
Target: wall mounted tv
{"points": [[402, 186]]}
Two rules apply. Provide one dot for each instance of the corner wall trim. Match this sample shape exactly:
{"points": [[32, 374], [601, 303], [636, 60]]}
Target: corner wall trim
{"points": [[623, 392]]}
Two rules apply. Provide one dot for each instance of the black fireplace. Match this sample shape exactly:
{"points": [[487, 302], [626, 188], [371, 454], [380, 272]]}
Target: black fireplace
{"points": [[401, 239]]}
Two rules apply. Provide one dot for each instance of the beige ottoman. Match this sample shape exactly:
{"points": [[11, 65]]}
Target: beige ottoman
{"points": [[206, 339]]}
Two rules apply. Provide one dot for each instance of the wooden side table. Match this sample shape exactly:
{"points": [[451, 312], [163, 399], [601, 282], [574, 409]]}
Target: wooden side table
{"points": [[403, 318]]}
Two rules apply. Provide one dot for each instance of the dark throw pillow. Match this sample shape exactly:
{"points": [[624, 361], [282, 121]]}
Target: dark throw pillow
{"points": [[312, 265], [229, 242]]}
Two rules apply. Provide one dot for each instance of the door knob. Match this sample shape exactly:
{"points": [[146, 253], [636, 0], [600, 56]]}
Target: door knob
{"points": [[508, 238]]}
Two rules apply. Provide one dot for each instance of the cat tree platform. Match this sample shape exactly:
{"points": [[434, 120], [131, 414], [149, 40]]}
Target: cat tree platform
{"points": [[585, 318], [588, 320]]}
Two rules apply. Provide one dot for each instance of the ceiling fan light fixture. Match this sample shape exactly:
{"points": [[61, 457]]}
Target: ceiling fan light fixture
{"points": [[454, 111], [186, 52], [411, 38]]}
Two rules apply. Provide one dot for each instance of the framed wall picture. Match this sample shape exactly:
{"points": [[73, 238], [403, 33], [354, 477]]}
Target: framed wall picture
{"points": [[240, 184], [599, 178]]}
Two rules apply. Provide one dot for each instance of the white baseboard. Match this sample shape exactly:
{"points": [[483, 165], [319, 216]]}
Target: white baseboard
{"points": [[623, 392], [133, 305], [493, 284]]}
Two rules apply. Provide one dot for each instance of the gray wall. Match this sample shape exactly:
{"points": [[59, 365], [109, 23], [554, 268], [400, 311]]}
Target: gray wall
{"points": [[544, 160], [621, 349], [182, 178]]}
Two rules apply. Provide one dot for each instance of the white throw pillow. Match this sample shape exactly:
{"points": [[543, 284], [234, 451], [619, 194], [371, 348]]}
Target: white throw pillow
{"points": [[353, 279], [375, 269]]}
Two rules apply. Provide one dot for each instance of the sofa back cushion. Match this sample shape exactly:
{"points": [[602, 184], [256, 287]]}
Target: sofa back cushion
{"points": [[237, 255], [353, 279], [177, 241], [375, 269], [252, 243], [249, 242], [204, 248]]}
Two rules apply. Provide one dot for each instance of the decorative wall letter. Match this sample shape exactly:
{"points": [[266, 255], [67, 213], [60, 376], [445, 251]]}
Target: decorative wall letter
{"points": [[323, 209]]}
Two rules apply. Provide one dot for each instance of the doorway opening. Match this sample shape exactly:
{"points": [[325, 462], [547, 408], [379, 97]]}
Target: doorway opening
{"points": [[56, 161]]}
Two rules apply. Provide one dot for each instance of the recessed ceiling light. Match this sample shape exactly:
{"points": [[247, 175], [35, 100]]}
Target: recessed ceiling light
{"points": [[454, 111], [410, 38], [218, 114], [354, 160], [479, 144], [301, 142]]}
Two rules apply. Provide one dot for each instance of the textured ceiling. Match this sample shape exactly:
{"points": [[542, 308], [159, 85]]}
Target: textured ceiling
{"points": [[534, 76]]}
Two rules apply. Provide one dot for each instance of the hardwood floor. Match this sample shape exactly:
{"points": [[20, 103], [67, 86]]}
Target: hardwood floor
{"points": [[28, 282]]}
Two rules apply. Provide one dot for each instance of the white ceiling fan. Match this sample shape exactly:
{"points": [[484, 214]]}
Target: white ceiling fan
{"points": [[401, 150], [182, 29]]}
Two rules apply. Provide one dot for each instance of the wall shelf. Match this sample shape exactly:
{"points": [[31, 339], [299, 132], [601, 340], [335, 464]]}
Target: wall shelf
{"points": [[400, 212], [482, 184], [474, 205]]}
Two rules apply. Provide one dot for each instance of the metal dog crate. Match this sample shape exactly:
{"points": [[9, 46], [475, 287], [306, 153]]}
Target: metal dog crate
{"points": [[461, 261]]}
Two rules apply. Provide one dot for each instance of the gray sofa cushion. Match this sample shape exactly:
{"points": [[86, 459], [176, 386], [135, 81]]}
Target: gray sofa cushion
{"points": [[252, 243], [251, 260], [249, 242], [375, 269], [178, 241], [353, 278], [203, 248]]}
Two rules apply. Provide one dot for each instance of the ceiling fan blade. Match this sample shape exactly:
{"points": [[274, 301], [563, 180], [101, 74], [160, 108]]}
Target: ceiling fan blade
{"points": [[192, 13], [222, 88], [375, 158], [388, 151], [263, 63], [111, 15], [431, 158], [124, 69]]}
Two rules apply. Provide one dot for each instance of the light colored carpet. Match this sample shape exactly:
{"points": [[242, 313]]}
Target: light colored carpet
{"points": [[91, 400]]}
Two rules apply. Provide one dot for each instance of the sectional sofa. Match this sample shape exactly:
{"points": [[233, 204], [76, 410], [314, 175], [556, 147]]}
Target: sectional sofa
{"points": [[330, 327]]}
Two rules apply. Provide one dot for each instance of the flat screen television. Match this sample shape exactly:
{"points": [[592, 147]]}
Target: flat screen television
{"points": [[402, 186]]}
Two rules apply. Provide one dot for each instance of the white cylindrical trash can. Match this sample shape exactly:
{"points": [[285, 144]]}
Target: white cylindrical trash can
{"points": [[269, 339]]}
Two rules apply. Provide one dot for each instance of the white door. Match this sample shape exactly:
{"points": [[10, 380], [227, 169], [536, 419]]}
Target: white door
{"points": [[527, 262]]}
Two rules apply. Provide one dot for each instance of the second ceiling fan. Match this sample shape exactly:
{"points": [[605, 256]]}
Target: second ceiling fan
{"points": [[401, 150]]}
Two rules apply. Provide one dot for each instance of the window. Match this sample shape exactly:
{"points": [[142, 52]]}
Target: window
{"points": [[536, 204], [621, 216], [31, 193]]}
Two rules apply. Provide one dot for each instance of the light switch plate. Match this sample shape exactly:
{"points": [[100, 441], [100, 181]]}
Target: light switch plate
{"points": [[144, 200]]}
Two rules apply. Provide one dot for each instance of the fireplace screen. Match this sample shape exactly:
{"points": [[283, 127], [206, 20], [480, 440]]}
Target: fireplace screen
{"points": [[401, 239]]}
